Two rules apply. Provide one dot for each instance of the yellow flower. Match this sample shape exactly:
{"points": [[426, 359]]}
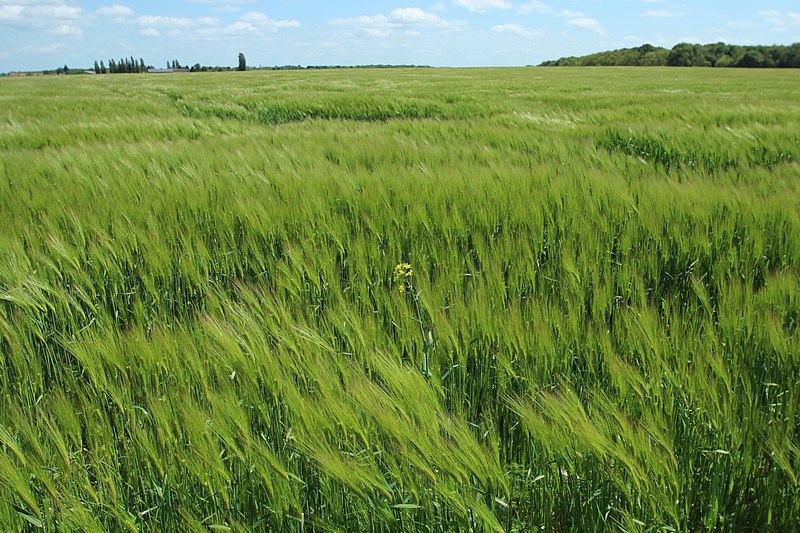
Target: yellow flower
{"points": [[402, 275], [402, 271]]}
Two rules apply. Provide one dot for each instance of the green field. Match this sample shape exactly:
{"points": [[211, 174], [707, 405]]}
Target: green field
{"points": [[201, 328]]}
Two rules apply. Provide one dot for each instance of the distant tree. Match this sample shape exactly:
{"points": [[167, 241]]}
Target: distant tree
{"points": [[242, 63], [102, 67], [724, 61], [680, 55], [66, 69], [96, 67], [692, 55], [646, 48], [142, 67], [790, 58], [715, 52], [655, 58], [750, 59], [687, 55]]}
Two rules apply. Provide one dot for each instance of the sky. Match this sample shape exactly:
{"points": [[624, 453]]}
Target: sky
{"points": [[46, 34]]}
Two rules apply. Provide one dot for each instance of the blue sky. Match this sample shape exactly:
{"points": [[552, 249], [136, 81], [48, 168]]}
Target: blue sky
{"points": [[39, 34]]}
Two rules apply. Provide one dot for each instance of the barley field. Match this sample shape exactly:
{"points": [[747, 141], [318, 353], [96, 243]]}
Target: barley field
{"points": [[401, 300]]}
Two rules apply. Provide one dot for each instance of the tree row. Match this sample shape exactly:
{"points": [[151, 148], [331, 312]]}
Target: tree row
{"points": [[690, 55]]}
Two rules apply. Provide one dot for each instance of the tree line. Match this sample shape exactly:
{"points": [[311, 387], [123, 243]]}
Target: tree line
{"points": [[132, 66], [121, 66], [690, 55]]}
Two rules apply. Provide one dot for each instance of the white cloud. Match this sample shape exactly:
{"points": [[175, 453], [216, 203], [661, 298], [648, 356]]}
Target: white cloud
{"points": [[378, 32], [586, 22], [115, 11], [229, 2], [781, 21], [414, 15], [241, 27], [516, 29], [225, 6], [508, 28], [580, 20], [150, 32], [54, 18], [483, 5], [407, 20], [260, 20], [19, 11], [252, 23], [60, 11], [67, 30], [11, 12], [49, 49], [535, 7], [662, 13], [366, 21], [176, 22]]}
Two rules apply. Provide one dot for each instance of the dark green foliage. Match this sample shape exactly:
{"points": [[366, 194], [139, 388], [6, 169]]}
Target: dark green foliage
{"points": [[123, 66], [690, 55]]}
